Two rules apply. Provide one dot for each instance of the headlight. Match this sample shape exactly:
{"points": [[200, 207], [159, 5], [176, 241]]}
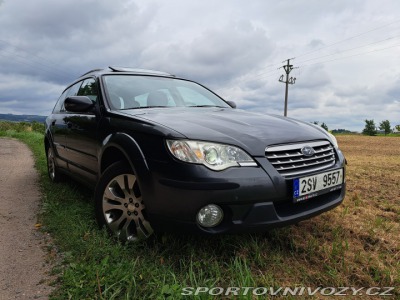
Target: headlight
{"points": [[214, 156], [333, 140]]}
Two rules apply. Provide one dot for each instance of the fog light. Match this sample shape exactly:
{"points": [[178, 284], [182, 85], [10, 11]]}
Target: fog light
{"points": [[210, 215]]}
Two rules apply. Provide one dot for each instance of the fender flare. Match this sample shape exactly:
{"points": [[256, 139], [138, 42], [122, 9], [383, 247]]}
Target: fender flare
{"points": [[130, 149]]}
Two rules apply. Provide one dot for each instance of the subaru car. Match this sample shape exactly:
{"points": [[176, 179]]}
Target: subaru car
{"points": [[164, 153]]}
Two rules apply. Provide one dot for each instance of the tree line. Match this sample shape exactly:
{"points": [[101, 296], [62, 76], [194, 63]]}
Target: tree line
{"points": [[371, 129]]}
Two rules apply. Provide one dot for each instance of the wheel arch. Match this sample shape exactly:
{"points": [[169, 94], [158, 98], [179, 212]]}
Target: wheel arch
{"points": [[122, 147]]}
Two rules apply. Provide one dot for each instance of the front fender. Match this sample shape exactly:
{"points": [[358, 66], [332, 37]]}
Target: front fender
{"points": [[131, 151]]}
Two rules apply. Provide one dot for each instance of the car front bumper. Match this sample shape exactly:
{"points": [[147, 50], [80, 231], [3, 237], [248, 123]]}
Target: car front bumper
{"points": [[252, 198]]}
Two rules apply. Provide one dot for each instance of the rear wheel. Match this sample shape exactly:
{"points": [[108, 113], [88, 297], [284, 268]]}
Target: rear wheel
{"points": [[119, 204], [52, 169]]}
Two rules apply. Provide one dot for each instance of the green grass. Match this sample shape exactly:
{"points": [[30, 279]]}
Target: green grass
{"points": [[325, 251]]}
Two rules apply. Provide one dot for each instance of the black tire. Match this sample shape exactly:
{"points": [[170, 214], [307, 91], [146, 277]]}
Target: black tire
{"points": [[52, 169], [119, 205]]}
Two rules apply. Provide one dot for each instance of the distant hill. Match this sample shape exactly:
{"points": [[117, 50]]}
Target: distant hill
{"points": [[22, 118]]}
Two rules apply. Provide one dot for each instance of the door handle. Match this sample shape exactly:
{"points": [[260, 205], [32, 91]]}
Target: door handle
{"points": [[53, 123]]}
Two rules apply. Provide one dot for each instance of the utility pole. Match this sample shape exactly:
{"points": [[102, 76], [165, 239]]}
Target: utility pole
{"points": [[288, 68]]}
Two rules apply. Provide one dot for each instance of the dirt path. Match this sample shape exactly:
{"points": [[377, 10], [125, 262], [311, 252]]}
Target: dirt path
{"points": [[22, 259]]}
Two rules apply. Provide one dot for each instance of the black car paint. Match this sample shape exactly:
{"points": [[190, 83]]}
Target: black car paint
{"points": [[250, 131], [253, 198]]}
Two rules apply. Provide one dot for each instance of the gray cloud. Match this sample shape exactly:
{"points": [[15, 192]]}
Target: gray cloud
{"points": [[233, 47], [313, 77], [24, 95], [59, 41], [213, 56]]}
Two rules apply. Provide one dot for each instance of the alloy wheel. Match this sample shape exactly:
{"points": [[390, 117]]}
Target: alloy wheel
{"points": [[123, 209]]}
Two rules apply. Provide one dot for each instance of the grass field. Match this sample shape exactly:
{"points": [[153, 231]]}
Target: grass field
{"points": [[355, 245]]}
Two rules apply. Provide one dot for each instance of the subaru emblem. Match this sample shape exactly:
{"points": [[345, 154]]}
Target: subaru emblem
{"points": [[307, 151]]}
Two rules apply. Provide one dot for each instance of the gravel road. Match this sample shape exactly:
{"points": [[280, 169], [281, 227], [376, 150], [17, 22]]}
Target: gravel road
{"points": [[23, 270]]}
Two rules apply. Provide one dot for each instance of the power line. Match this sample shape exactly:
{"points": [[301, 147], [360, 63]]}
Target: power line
{"points": [[358, 54], [347, 39], [28, 63], [31, 55], [268, 67], [259, 75], [25, 58], [262, 76], [346, 50]]}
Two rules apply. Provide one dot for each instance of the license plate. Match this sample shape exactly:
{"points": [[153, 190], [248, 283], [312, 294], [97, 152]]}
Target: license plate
{"points": [[311, 186]]}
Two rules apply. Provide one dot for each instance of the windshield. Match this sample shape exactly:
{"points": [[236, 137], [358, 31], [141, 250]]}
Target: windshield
{"points": [[138, 91]]}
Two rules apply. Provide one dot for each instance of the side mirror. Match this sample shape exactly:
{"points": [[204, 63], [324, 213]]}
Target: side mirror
{"points": [[78, 104], [232, 104]]}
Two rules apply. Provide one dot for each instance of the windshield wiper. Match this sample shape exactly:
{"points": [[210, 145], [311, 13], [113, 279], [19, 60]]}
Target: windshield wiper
{"points": [[205, 106], [160, 106], [138, 107]]}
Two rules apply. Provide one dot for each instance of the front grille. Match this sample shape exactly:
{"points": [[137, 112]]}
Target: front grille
{"points": [[289, 161]]}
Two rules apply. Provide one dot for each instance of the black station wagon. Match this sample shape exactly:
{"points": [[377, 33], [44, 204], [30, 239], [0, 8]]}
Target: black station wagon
{"points": [[166, 153]]}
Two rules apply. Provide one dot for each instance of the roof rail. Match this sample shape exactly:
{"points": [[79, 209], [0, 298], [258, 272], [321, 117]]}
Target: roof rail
{"points": [[139, 71], [94, 70]]}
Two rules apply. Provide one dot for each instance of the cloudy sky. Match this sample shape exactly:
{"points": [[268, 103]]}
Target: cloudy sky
{"points": [[348, 52]]}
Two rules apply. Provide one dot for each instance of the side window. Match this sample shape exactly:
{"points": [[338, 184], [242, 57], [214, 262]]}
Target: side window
{"points": [[73, 90], [60, 103], [88, 88]]}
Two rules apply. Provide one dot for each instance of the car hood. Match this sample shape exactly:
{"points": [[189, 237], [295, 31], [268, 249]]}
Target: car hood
{"points": [[252, 132]]}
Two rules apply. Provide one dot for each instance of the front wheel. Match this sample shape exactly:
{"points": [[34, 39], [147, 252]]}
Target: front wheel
{"points": [[119, 204]]}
